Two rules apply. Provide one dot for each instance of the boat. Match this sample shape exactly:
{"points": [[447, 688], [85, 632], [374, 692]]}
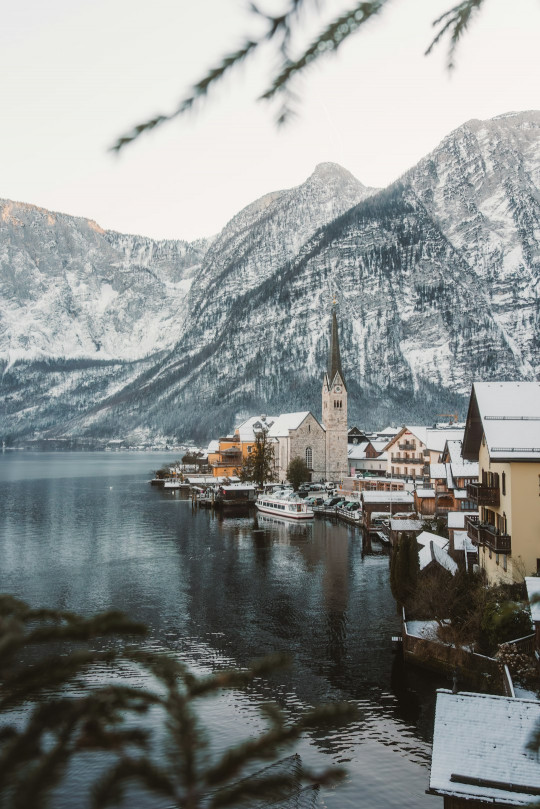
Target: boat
{"points": [[289, 506]]}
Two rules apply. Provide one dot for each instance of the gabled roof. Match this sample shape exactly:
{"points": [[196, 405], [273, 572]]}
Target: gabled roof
{"points": [[432, 438], [246, 431], [508, 414], [480, 748], [286, 422]]}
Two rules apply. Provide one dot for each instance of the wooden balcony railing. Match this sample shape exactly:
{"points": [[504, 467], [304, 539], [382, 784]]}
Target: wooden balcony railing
{"points": [[494, 539], [406, 445], [483, 495], [407, 461], [473, 529]]}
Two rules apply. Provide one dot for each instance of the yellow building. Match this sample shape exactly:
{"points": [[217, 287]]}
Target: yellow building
{"points": [[503, 434], [226, 456]]}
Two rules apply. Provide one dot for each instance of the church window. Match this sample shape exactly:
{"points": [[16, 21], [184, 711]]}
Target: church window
{"points": [[309, 458]]}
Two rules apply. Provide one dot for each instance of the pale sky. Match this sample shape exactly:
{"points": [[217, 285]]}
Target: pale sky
{"points": [[76, 74]]}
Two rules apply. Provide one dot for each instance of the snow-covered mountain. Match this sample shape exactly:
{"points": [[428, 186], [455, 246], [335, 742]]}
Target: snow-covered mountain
{"points": [[436, 279]]}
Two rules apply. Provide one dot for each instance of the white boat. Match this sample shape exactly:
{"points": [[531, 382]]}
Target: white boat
{"points": [[284, 506]]}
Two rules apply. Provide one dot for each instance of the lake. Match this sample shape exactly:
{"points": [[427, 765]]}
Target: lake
{"points": [[87, 532]]}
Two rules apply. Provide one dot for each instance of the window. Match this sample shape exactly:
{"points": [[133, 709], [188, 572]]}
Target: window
{"points": [[503, 483], [505, 563], [249, 448], [309, 458]]}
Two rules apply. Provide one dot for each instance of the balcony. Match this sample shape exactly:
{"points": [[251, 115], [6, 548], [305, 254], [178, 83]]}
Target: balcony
{"points": [[407, 446], [473, 528], [406, 461], [488, 535], [483, 495], [494, 539]]}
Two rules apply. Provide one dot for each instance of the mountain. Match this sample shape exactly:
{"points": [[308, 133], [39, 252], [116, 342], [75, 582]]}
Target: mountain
{"points": [[436, 279]]}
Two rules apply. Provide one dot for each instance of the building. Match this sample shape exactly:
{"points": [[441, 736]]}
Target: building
{"points": [[226, 456], [414, 449], [298, 435], [450, 478], [503, 434], [334, 411], [481, 754], [323, 446]]}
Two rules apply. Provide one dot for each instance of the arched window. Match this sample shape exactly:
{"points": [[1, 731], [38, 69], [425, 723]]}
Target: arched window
{"points": [[309, 458]]}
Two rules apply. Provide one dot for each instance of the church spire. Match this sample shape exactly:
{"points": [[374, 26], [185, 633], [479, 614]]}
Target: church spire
{"points": [[334, 357]]}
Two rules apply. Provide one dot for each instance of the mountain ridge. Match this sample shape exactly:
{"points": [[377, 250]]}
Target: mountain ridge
{"points": [[436, 278]]}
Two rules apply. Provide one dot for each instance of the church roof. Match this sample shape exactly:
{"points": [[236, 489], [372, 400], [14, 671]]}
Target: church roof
{"points": [[286, 422], [334, 357]]}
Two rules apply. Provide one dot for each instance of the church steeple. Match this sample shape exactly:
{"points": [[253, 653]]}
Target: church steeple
{"points": [[334, 409], [334, 357]]}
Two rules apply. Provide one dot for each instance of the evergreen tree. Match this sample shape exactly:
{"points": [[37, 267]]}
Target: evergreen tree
{"points": [[404, 569], [44, 652], [258, 466], [297, 472]]}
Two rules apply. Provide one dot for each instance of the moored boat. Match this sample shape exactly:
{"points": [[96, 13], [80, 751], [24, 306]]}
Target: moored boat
{"points": [[285, 506]]}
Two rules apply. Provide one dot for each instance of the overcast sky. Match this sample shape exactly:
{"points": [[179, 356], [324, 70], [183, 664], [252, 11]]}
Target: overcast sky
{"points": [[76, 74]]}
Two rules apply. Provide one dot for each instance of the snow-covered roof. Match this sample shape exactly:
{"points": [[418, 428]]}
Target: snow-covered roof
{"points": [[213, 446], [480, 748], [533, 593], [433, 549], [437, 471], [435, 438], [246, 431], [379, 444], [456, 519], [389, 431], [462, 542], [425, 492], [460, 494], [286, 422], [405, 525], [426, 537], [387, 497], [356, 453], [464, 469], [510, 416], [454, 450], [240, 487]]}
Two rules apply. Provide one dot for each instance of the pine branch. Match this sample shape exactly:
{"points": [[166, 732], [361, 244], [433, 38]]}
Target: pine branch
{"points": [[109, 791], [456, 20], [199, 91]]}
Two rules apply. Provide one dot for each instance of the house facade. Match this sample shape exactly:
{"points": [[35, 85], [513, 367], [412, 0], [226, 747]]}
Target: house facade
{"points": [[503, 434]]}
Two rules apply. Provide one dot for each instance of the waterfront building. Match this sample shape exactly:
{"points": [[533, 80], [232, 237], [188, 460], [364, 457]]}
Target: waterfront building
{"points": [[226, 456], [298, 435], [503, 434], [481, 755]]}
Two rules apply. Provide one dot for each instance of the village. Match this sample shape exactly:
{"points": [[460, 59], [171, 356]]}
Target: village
{"points": [[458, 506]]}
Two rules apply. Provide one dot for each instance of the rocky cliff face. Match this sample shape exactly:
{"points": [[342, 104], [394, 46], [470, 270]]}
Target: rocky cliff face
{"points": [[71, 290], [436, 279]]}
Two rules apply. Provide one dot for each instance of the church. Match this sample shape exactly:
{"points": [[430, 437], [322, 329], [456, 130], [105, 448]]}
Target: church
{"points": [[323, 446]]}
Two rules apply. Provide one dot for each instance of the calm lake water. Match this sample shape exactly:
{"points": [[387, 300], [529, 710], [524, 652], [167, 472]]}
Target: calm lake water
{"points": [[86, 532]]}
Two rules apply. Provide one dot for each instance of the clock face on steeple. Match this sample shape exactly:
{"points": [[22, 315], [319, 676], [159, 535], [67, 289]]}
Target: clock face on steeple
{"points": [[338, 388]]}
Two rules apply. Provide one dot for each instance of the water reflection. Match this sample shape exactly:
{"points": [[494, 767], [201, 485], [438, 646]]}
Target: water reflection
{"points": [[87, 532]]}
